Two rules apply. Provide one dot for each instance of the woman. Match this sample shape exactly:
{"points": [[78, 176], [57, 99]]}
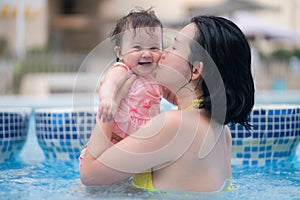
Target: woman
{"points": [[188, 149]]}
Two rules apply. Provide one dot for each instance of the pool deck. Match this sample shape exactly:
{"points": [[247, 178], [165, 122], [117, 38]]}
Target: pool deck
{"points": [[91, 99]]}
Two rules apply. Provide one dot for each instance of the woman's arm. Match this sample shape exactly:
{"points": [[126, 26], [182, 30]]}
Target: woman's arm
{"points": [[90, 167], [151, 146]]}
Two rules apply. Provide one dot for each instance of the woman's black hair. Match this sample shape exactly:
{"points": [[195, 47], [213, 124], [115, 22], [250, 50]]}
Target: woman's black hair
{"points": [[230, 51]]}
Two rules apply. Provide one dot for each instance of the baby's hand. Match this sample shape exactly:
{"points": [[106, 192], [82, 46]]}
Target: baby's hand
{"points": [[107, 110]]}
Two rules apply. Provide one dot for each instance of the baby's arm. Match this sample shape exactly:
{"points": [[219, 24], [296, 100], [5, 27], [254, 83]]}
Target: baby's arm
{"points": [[108, 88]]}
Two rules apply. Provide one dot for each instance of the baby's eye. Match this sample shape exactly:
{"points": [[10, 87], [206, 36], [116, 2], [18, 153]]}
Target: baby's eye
{"points": [[137, 47]]}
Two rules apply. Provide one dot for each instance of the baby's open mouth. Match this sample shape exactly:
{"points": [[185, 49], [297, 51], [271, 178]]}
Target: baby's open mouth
{"points": [[145, 63]]}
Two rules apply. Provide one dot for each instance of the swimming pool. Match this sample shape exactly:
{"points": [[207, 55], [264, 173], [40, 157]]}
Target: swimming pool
{"points": [[32, 176]]}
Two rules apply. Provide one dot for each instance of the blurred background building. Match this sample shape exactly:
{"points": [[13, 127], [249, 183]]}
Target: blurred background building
{"points": [[42, 41]]}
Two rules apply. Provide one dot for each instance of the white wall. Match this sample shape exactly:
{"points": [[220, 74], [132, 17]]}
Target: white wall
{"points": [[23, 23], [165, 10], [287, 15]]}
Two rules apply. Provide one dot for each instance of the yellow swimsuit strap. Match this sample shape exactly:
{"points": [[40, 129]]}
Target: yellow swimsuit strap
{"points": [[195, 102]]}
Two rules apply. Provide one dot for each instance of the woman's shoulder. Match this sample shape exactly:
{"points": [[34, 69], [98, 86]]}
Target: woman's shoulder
{"points": [[173, 116], [183, 119], [172, 121], [166, 122]]}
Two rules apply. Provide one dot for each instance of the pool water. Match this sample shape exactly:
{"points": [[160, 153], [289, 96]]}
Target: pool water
{"points": [[31, 176], [60, 180]]}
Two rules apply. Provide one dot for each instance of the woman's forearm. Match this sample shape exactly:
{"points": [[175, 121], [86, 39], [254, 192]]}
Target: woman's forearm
{"points": [[99, 141], [93, 170]]}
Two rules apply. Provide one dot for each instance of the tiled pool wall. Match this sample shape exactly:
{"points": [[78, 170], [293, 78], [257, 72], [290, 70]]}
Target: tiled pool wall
{"points": [[62, 132], [14, 124], [274, 136]]}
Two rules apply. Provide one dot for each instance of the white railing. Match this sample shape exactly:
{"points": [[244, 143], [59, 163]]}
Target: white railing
{"points": [[277, 75], [6, 75], [12, 71]]}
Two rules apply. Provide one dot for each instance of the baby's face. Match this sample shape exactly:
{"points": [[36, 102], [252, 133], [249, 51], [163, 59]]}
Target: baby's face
{"points": [[141, 49]]}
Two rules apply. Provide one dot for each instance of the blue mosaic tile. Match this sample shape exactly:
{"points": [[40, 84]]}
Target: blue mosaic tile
{"points": [[275, 127], [268, 154], [239, 155], [14, 124], [261, 155], [255, 119], [63, 133], [247, 155], [254, 149], [245, 162], [67, 132], [247, 149], [254, 162]]}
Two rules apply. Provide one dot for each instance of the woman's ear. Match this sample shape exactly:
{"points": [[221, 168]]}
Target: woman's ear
{"points": [[197, 70], [117, 51]]}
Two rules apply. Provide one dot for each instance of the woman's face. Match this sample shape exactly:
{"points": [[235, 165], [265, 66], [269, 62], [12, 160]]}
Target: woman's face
{"points": [[174, 69]]}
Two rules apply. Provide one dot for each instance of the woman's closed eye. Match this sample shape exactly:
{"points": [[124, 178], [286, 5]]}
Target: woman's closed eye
{"points": [[155, 48], [170, 49], [174, 50]]}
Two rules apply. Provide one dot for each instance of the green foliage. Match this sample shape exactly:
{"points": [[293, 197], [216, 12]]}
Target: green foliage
{"points": [[283, 54], [41, 61], [297, 53]]}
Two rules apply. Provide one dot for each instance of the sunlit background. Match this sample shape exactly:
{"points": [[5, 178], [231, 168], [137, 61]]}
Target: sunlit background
{"points": [[43, 43]]}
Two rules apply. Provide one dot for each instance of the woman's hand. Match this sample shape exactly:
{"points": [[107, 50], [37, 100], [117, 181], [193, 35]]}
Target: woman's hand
{"points": [[169, 96]]}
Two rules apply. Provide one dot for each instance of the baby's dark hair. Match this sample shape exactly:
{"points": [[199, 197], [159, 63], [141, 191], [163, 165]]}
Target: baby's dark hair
{"points": [[230, 51], [135, 19]]}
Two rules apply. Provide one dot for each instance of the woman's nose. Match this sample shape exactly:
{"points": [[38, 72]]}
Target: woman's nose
{"points": [[164, 53]]}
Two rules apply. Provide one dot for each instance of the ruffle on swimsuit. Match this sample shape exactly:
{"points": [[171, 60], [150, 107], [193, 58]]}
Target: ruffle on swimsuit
{"points": [[139, 106]]}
